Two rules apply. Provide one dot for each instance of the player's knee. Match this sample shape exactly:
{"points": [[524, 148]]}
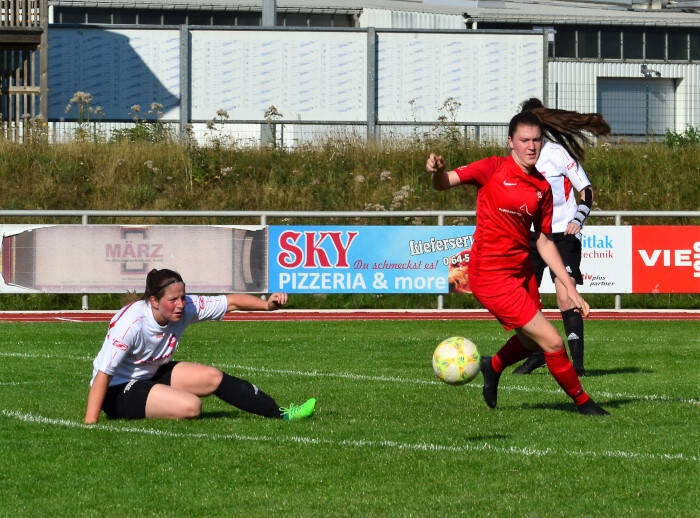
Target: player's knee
{"points": [[213, 379], [191, 408]]}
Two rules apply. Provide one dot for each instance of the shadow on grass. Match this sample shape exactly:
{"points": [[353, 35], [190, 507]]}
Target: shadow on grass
{"points": [[622, 370], [224, 415], [570, 407], [591, 373], [489, 437]]}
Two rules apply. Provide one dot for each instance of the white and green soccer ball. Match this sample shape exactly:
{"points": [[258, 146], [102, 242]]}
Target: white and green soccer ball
{"points": [[456, 360]]}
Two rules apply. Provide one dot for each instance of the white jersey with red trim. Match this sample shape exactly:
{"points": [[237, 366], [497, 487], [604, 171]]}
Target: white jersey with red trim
{"points": [[136, 345], [564, 174]]}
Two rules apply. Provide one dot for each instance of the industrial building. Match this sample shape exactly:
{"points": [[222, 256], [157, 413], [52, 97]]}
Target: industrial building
{"points": [[637, 62]]}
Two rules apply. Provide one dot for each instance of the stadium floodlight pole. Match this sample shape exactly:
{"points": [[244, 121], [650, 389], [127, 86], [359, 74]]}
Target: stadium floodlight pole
{"points": [[269, 13]]}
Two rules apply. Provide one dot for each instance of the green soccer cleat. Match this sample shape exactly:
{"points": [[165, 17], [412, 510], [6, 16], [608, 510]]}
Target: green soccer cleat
{"points": [[295, 412]]}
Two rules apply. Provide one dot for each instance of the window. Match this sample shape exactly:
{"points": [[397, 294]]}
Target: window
{"points": [[587, 43], [124, 16], [249, 19], [174, 18], [695, 46], [150, 18], [199, 18], [293, 20], [71, 15], [565, 43], [99, 16], [655, 44], [677, 45], [632, 45], [225, 18], [610, 44]]}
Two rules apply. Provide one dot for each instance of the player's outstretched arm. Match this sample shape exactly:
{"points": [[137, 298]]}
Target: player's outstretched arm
{"points": [[246, 302], [442, 180]]}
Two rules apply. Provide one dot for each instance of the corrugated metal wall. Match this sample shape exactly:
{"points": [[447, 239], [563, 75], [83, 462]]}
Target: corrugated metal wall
{"points": [[574, 86], [385, 19]]}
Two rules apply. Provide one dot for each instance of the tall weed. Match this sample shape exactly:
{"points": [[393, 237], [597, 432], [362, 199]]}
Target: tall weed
{"points": [[333, 175]]}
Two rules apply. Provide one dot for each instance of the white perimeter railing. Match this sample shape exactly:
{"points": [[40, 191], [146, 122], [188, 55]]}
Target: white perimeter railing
{"points": [[351, 217]]}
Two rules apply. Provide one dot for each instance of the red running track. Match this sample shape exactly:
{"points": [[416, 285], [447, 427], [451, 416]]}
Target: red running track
{"points": [[335, 315]]}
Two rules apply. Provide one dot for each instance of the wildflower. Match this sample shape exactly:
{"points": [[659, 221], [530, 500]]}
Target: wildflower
{"points": [[81, 98], [272, 113], [222, 113], [385, 175], [157, 109]]}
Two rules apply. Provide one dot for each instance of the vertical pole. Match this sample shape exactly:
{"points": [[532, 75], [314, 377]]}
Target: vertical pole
{"points": [[546, 33], [86, 302], [185, 59], [269, 13], [618, 297], [371, 83], [44, 63], [441, 298]]}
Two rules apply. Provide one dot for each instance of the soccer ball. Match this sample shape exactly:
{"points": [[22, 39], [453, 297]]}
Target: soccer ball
{"points": [[456, 360]]}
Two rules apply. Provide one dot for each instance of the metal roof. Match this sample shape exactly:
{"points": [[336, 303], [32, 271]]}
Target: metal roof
{"points": [[622, 12]]}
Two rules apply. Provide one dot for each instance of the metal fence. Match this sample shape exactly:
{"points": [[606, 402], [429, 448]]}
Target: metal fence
{"points": [[438, 217]]}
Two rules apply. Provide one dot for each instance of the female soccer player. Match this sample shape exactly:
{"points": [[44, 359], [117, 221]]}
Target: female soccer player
{"points": [[512, 197], [134, 374]]}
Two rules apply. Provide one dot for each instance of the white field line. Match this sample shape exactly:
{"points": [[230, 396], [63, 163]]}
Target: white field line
{"points": [[419, 446], [505, 387]]}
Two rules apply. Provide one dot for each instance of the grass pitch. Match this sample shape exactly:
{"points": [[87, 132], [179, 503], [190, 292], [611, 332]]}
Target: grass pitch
{"points": [[388, 438]]}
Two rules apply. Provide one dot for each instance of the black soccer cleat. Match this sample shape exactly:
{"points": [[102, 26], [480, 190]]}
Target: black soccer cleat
{"points": [[491, 378], [590, 407], [534, 361]]}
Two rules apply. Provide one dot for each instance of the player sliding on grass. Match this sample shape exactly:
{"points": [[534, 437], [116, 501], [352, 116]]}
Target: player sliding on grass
{"points": [[135, 376], [512, 196]]}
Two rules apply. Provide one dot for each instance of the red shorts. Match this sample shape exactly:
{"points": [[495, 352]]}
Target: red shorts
{"points": [[513, 300]]}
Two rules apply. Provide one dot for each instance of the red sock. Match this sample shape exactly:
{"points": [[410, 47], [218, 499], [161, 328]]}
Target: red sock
{"points": [[512, 352], [563, 371]]}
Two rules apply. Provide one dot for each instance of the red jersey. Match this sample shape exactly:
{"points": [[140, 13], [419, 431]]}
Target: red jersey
{"points": [[509, 201]]}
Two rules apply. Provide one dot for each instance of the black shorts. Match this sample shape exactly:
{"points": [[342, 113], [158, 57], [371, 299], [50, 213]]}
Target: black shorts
{"points": [[128, 400], [569, 247]]}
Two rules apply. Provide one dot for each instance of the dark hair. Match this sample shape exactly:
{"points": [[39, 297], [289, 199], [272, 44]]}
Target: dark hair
{"points": [[531, 104], [568, 128], [158, 280], [525, 118]]}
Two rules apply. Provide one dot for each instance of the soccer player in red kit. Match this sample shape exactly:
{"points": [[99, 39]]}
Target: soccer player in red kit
{"points": [[512, 197]]}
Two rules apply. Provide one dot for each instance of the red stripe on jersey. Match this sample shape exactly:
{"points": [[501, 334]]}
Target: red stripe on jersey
{"points": [[567, 187], [116, 318]]}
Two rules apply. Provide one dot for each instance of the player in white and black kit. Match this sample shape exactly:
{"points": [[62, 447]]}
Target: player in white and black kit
{"points": [[566, 176], [134, 374]]}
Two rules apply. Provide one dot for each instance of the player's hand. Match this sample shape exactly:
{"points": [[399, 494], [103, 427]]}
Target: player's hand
{"points": [[572, 228], [435, 164], [580, 304], [276, 301]]}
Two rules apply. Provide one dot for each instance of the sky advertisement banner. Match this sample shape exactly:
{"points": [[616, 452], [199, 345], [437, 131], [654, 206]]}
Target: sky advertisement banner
{"points": [[365, 259]]}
